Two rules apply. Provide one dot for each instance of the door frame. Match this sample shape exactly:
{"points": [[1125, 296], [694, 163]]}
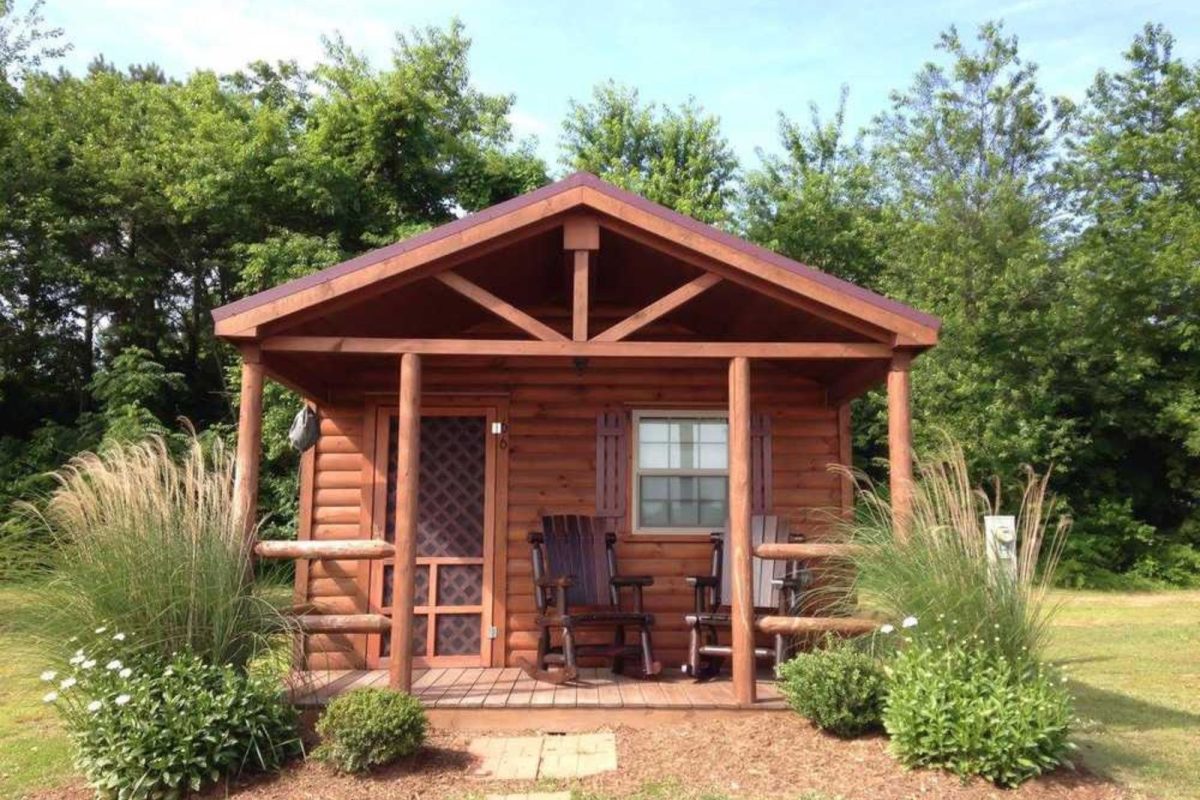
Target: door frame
{"points": [[494, 409]]}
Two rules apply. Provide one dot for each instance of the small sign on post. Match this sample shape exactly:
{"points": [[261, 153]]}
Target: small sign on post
{"points": [[1001, 533]]}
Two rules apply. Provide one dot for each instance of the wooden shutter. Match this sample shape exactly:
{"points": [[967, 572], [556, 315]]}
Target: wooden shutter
{"points": [[760, 464], [612, 464]]}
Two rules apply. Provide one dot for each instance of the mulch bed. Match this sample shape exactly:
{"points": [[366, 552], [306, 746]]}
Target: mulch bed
{"points": [[759, 756]]}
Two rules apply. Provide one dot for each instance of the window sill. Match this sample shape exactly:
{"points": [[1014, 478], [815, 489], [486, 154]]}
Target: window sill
{"points": [[668, 536]]}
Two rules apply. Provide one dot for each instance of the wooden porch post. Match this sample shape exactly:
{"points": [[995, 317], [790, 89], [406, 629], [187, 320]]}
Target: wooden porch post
{"points": [[900, 466], [249, 440], [741, 568], [408, 449]]}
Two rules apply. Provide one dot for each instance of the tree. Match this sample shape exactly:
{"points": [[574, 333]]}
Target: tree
{"points": [[821, 201], [1132, 171], [677, 157]]}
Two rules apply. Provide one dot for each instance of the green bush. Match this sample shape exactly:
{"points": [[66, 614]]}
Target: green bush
{"points": [[155, 545], [973, 711], [839, 689], [368, 728], [154, 728]]}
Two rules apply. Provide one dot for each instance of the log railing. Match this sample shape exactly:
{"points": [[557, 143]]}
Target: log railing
{"points": [[800, 551]]}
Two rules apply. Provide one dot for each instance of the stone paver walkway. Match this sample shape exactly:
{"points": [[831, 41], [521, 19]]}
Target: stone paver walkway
{"points": [[531, 757]]}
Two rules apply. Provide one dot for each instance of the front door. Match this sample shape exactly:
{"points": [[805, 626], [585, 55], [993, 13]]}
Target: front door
{"points": [[455, 523]]}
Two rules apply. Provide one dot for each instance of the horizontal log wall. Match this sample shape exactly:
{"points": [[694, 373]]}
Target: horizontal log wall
{"points": [[552, 465]]}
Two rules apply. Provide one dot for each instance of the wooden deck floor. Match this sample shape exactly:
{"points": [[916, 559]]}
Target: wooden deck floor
{"points": [[510, 688]]}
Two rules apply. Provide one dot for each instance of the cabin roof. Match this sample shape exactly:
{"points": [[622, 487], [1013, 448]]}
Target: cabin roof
{"points": [[584, 190]]}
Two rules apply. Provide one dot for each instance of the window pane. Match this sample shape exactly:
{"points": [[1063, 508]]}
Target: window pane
{"points": [[653, 430], [713, 488], [655, 488], [683, 456], [683, 488], [713, 430], [713, 513], [684, 431], [653, 514], [684, 513], [653, 456], [713, 456]]}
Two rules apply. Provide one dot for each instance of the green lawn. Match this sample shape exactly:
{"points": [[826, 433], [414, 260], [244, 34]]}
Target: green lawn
{"points": [[1134, 662]]}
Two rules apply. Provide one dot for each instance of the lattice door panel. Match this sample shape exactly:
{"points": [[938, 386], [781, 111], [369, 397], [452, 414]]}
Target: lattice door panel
{"points": [[451, 538]]}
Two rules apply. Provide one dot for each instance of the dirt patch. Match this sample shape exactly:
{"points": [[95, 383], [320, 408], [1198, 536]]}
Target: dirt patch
{"points": [[779, 756]]}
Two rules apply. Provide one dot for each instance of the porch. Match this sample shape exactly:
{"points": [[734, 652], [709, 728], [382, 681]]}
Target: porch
{"points": [[510, 688]]}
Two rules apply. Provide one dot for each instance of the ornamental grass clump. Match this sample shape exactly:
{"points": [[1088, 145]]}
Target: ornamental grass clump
{"points": [[938, 569], [155, 546]]}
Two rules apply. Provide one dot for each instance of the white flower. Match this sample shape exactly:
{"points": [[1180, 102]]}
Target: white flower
{"points": [[49, 697], [101, 629], [122, 699], [118, 637], [887, 628], [113, 665], [909, 622], [49, 675], [91, 662], [169, 671], [94, 706], [67, 683], [125, 673], [76, 660]]}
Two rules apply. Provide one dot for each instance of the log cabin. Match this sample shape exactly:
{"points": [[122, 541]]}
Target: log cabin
{"points": [[575, 350]]}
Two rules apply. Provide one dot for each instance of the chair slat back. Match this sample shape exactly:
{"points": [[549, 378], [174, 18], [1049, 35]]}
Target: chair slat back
{"points": [[763, 530], [577, 545]]}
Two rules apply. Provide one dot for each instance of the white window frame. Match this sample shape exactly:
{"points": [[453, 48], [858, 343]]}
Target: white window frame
{"points": [[637, 472]]}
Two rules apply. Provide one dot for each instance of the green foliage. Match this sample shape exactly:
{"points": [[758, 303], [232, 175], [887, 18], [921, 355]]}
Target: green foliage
{"points": [[156, 547], [838, 688], [938, 571], [369, 728], [971, 710], [149, 727], [676, 157]]}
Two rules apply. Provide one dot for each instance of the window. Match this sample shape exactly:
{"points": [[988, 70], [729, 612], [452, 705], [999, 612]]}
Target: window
{"points": [[681, 471]]}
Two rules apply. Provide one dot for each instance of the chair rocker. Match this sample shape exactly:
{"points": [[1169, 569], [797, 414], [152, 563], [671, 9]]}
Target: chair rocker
{"points": [[776, 589], [576, 588]]}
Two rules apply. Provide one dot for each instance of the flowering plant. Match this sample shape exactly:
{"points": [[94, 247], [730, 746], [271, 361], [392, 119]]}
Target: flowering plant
{"points": [[148, 727]]}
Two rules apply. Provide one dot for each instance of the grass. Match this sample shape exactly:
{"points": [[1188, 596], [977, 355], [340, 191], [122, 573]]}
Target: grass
{"points": [[1134, 661]]}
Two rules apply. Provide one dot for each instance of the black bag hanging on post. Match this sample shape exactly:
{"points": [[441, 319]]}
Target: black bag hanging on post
{"points": [[305, 430]]}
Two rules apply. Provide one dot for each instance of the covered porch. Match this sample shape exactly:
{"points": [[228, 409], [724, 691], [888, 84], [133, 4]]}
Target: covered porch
{"points": [[554, 320]]}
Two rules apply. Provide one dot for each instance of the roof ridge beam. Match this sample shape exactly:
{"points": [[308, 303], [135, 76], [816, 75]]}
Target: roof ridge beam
{"points": [[500, 307]]}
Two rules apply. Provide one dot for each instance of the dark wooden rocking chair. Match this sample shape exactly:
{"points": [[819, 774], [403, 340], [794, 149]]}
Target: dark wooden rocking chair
{"points": [[777, 589], [576, 586]]}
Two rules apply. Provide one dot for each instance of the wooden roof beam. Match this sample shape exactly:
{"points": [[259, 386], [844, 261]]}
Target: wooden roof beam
{"points": [[564, 347], [501, 308], [661, 307]]}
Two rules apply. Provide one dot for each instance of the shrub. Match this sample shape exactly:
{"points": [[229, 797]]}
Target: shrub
{"points": [[838, 689], [940, 573], [156, 547], [368, 728], [974, 711], [156, 728]]}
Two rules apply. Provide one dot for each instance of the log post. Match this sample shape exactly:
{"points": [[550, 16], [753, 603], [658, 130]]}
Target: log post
{"points": [[581, 237], [249, 441], [740, 556], [408, 450], [579, 315], [900, 465]]}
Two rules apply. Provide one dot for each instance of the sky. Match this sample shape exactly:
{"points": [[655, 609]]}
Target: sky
{"points": [[746, 62]]}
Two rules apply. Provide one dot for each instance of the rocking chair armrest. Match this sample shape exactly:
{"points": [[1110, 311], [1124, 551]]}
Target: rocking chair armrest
{"points": [[632, 580], [701, 581]]}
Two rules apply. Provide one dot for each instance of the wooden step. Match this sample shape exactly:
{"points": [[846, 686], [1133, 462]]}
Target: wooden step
{"points": [[363, 549], [344, 623], [792, 625]]}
